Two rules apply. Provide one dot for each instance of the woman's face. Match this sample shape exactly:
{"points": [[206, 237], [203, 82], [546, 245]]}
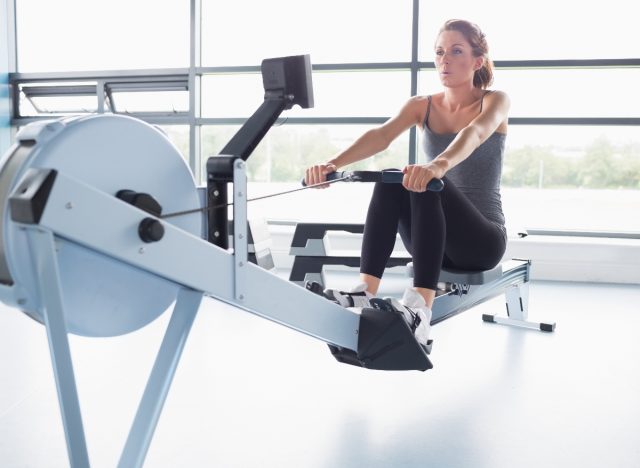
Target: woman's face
{"points": [[454, 59]]}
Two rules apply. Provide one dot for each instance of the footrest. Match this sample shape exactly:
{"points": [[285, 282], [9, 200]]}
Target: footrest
{"points": [[385, 342]]}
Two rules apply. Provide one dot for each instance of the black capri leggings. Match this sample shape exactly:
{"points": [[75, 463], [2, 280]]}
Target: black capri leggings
{"points": [[439, 229]]}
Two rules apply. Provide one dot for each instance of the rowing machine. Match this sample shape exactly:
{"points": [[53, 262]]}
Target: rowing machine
{"points": [[85, 249]]}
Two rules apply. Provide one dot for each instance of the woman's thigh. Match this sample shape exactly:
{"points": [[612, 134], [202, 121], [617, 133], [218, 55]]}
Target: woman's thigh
{"points": [[472, 241]]}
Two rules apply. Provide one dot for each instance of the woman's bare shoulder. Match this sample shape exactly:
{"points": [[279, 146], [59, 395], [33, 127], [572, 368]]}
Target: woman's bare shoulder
{"points": [[425, 97], [418, 100], [420, 103], [433, 96], [416, 107], [497, 95], [499, 101]]}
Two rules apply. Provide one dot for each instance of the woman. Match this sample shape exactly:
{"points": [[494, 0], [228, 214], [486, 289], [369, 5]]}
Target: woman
{"points": [[464, 129]]}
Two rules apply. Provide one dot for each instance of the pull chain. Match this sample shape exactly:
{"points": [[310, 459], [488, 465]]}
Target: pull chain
{"points": [[213, 207]]}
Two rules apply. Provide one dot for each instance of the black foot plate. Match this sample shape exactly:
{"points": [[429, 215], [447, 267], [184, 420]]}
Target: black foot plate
{"points": [[385, 342]]}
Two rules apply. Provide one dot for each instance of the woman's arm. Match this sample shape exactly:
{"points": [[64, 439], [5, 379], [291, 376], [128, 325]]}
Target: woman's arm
{"points": [[372, 141], [379, 138], [494, 112]]}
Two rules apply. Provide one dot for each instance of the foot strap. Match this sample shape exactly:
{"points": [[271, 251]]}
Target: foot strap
{"points": [[385, 342]]}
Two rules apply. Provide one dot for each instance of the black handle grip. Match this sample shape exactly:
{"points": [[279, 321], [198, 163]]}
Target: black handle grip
{"points": [[387, 177]]}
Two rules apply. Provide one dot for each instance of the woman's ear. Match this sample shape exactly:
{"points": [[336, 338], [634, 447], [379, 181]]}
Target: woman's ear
{"points": [[478, 63]]}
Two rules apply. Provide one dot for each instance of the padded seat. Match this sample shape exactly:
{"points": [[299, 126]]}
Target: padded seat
{"points": [[475, 277]]}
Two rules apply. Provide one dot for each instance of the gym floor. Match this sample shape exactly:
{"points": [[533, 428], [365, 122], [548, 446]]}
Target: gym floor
{"points": [[250, 393]]}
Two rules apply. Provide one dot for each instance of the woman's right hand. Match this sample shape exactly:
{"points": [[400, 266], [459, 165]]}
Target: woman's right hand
{"points": [[318, 174]]}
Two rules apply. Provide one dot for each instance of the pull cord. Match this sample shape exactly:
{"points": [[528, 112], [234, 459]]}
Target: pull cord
{"points": [[213, 207]]}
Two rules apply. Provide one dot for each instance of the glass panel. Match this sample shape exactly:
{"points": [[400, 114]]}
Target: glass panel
{"points": [[151, 101], [278, 164], [77, 35], [57, 105], [572, 177], [179, 136], [244, 33], [547, 29], [341, 94], [577, 156], [429, 82], [365, 94], [571, 93], [561, 93], [287, 150], [58, 99], [556, 177], [231, 95]]}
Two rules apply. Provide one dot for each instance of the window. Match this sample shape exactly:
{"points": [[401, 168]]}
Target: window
{"points": [[544, 30], [166, 98], [76, 35], [179, 136], [287, 150], [56, 99], [336, 94], [572, 177], [278, 165], [361, 51], [145, 97], [244, 33], [571, 92]]}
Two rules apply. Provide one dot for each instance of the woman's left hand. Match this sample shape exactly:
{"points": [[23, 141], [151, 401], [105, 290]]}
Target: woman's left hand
{"points": [[416, 177]]}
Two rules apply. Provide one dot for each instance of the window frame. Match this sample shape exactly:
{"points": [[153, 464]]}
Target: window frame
{"points": [[190, 79]]}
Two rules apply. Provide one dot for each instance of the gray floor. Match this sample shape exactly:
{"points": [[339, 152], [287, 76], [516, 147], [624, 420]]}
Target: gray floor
{"points": [[249, 393]]}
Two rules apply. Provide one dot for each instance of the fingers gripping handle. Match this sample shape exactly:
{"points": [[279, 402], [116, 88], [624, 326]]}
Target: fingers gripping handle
{"points": [[388, 177]]}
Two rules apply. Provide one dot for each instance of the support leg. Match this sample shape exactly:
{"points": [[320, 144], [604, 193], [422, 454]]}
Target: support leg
{"points": [[157, 388], [517, 303], [46, 270]]}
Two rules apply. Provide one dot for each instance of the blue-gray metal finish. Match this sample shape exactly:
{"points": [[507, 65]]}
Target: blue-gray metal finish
{"points": [[108, 153], [200, 265], [45, 266], [240, 234], [459, 300], [157, 388]]}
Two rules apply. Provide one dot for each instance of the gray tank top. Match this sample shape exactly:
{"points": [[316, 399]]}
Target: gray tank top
{"points": [[478, 176]]}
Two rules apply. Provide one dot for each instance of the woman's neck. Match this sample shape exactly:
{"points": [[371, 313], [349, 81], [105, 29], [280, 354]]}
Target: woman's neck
{"points": [[455, 99]]}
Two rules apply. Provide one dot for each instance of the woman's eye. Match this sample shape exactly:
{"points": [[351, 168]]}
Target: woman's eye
{"points": [[457, 51]]}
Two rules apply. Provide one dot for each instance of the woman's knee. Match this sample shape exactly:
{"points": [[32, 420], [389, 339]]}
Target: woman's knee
{"points": [[426, 199], [390, 194]]}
